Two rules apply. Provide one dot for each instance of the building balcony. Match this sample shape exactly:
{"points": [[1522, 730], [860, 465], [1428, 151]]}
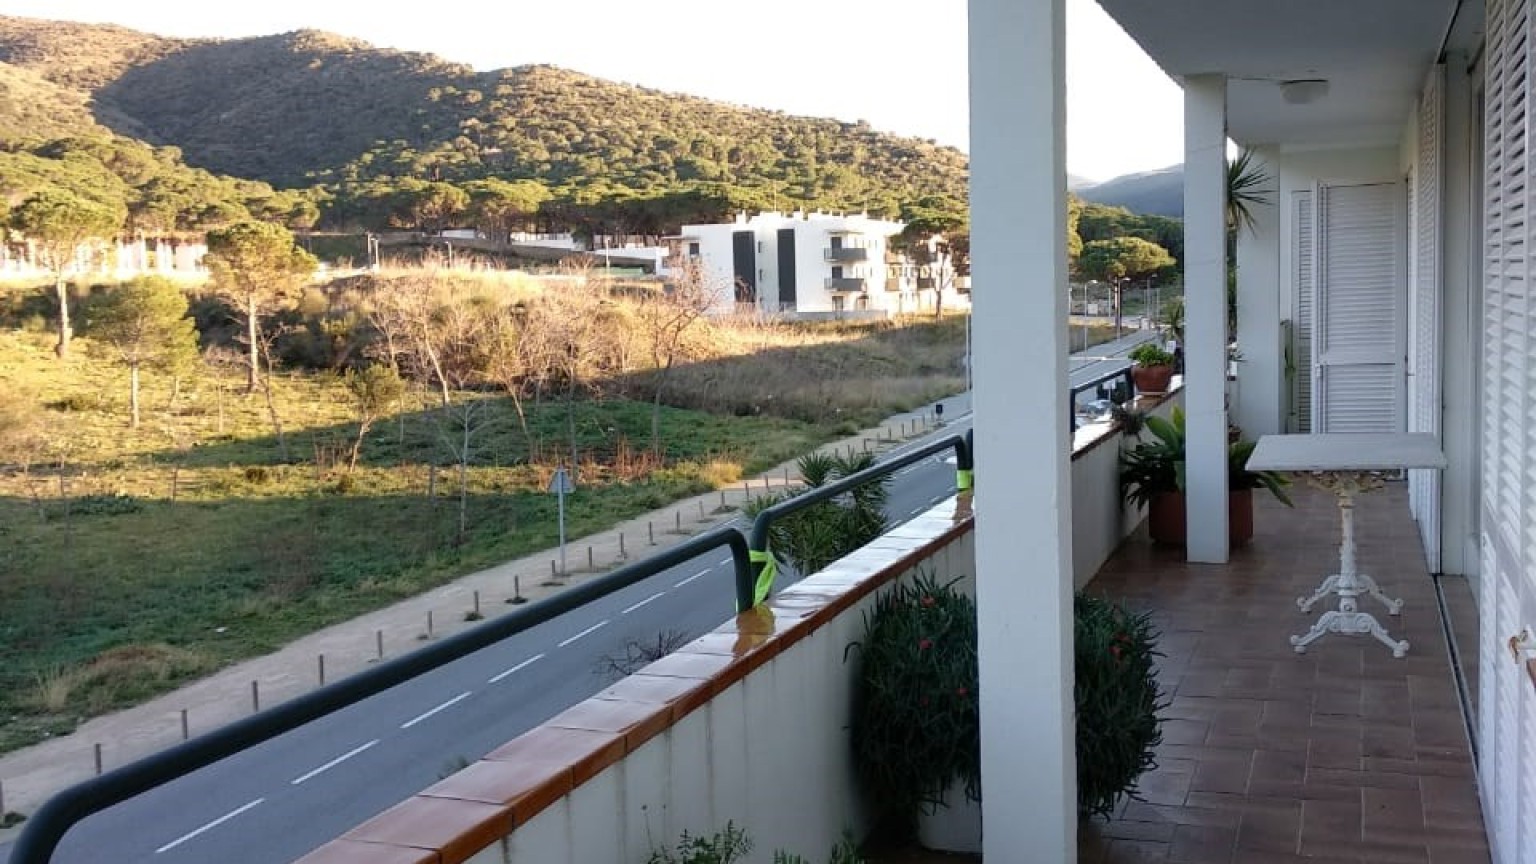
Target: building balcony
{"points": [[1340, 754], [847, 284], [845, 253]]}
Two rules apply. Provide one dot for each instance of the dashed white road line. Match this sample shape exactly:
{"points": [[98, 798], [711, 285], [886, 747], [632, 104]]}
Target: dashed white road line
{"points": [[584, 633], [691, 578], [209, 827], [496, 679], [333, 763], [643, 602], [443, 707]]}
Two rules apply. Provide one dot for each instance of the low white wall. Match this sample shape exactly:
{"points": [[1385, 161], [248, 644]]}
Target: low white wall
{"points": [[769, 754], [1100, 521]]}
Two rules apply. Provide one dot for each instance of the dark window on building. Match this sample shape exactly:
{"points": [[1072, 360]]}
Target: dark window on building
{"points": [[787, 285]]}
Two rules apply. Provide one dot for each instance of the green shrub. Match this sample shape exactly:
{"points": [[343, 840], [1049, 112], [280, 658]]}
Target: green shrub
{"points": [[916, 726], [114, 504], [722, 847], [1150, 354], [1117, 701]]}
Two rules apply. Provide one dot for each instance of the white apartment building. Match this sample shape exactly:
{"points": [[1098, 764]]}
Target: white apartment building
{"points": [[814, 265]]}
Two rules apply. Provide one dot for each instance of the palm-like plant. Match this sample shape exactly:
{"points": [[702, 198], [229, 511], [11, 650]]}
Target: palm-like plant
{"points": [[1157, 466], [1247, 188], [817, 535]]}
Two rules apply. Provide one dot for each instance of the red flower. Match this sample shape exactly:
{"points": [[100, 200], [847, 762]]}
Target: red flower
{"points": [[961, 691], [1115, 650], [924, 644], [929, 601]]}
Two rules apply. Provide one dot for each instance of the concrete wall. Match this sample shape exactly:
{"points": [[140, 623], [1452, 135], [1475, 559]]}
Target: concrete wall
{"points": [[1100, 522], [769, 753]]}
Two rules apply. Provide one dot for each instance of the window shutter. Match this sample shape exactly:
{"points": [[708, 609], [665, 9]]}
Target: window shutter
{"points": [[1507, 743], [1358, 308], [1302, 266], [1424, 313]]}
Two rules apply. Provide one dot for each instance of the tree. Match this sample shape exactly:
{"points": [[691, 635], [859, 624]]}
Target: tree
{"points": [[668, 316], [375, 390], [255, 266], [145, 323], [1121, 257], [60, 223], [499, 206], [938, 236]]}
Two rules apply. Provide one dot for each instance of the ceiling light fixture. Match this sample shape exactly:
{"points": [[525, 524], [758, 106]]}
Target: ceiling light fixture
{"points": [[1302, 91]]}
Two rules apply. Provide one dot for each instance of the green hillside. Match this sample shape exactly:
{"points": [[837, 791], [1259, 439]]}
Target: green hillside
{"points": [[307, 108]]}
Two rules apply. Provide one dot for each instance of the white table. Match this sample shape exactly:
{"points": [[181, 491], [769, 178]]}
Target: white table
{"points": [[1347, 465]]}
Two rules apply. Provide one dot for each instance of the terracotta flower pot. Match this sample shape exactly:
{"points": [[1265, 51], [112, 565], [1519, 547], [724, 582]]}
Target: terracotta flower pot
{"points": [[1152, 379], [1166, 524]]}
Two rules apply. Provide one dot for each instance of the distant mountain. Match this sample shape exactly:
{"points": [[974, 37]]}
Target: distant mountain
{"points": [[304, 107], [1151, 193]]}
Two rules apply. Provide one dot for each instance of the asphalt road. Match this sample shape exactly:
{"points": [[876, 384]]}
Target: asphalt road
{"points": [[279, 800]]}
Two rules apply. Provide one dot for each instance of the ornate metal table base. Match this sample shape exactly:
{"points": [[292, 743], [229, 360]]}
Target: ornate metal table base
{"points": [[1348, 583]]}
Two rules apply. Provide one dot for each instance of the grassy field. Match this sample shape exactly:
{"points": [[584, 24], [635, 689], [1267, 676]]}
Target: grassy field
{"points": [[132, 561], [111, 590]]}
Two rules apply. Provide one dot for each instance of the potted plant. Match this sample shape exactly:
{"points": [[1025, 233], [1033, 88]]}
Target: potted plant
{"points": [[1152, 475], [1117, 698], [1154, 368], [916, 730], [916, 725]]}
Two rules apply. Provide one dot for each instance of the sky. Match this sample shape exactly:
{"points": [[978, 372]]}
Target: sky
{"points": [[899, 64]]}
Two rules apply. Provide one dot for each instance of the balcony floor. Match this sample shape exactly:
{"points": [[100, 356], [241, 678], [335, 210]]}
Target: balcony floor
{"points": [[1343, 754]]}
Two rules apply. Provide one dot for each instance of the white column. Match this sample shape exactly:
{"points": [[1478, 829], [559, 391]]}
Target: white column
{"points": [[1205, 314], [1023, 504], [1261, 375]]}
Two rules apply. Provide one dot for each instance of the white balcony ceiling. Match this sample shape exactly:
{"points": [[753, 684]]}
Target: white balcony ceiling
{"points": [[1374, 54]]}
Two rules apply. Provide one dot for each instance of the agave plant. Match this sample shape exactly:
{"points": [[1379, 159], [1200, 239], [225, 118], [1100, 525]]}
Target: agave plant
{"points": [[1157, 466]]}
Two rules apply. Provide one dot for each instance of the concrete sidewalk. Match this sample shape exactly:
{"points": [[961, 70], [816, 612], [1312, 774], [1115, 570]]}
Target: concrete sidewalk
{"points": [[30, 776]]}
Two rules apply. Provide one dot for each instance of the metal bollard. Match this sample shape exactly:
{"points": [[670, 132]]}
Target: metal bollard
{"points": [[477, 603], [378, 638], [255, 698], [590, 563], [622, 553], [678, 518], [650, 531], [320, 668], [98, 758], [186, 729], [429, 623]]}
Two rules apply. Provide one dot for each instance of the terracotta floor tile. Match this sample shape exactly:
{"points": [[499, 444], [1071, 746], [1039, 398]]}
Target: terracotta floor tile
{"points": [[1349, 754]]}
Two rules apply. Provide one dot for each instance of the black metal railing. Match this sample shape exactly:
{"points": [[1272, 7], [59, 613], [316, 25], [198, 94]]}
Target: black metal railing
{"points": [[1117, 387], [43, 831], [763, 564], [46, 828]]}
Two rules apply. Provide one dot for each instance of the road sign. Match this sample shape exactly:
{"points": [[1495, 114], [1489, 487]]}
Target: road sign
{"points": [[561, 483]]}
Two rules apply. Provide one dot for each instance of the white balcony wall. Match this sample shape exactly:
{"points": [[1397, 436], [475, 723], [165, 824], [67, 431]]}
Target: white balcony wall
{"points": [[769, 754], [1099, 520]]}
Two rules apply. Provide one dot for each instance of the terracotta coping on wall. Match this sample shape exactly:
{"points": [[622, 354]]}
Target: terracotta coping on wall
{"points": [[458, 816]]}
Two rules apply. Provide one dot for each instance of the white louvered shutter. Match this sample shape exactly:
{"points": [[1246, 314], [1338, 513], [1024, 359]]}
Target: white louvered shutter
{"points": [[1302, 267], [1358, 307], [1424, 314], [1507, 716]]}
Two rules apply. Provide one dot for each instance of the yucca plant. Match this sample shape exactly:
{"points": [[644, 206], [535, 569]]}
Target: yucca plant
{"points": [[817, 535]]}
